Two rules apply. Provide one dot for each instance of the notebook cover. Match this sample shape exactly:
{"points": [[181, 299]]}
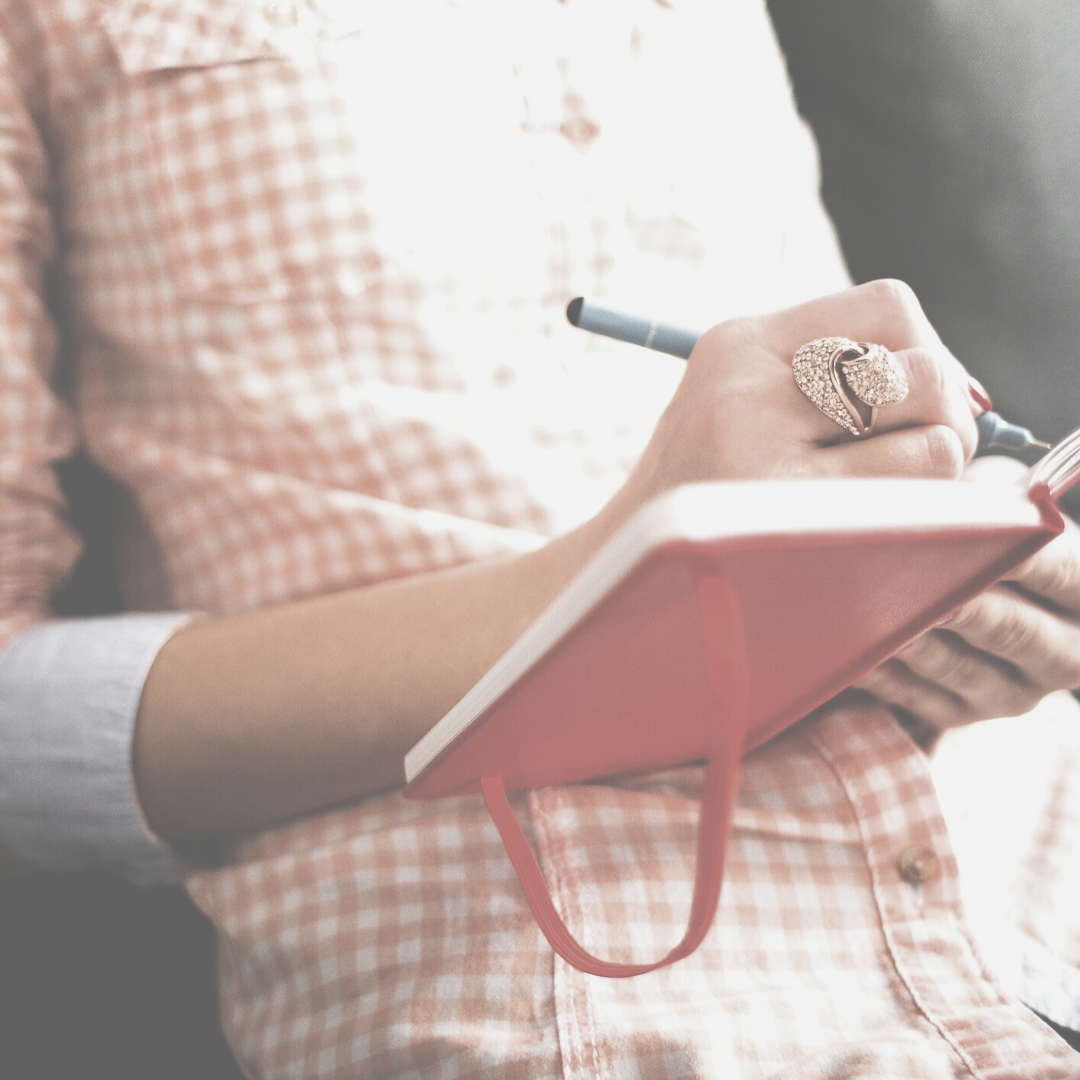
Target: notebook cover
{"points": [[626, 690]]}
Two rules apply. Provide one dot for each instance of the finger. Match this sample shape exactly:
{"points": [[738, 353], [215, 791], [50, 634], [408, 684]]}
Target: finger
{"points": [[895, 684], [988, 685], [934, 452], [937, 394], [1053, 574], [1042, 644], [887, 312]]}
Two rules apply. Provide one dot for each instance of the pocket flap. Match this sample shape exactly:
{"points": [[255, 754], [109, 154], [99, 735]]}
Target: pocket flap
{"points": [[151, 35]]}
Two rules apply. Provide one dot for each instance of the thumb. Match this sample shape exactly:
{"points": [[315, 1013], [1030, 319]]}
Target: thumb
{"points": [[933, 451]]}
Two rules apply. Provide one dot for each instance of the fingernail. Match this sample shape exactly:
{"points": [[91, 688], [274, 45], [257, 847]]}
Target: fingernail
{"points": [[978, 394]]}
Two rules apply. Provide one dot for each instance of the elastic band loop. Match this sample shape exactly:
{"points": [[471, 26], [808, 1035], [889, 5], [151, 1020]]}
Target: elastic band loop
{"points": [[728, 678]]}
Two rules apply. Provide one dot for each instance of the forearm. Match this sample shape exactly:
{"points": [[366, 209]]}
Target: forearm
{"points": [[251, 719]]}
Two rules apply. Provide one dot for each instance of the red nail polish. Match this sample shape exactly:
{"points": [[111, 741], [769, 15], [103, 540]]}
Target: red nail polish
{"points": [[978, 394]]}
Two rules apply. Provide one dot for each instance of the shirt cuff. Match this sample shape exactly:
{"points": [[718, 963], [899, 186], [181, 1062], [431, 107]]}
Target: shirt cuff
{"points": [[69, 696]]}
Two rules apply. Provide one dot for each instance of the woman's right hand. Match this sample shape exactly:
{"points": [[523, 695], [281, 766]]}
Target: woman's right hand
{"points": [[739, 414], [218, 746]]}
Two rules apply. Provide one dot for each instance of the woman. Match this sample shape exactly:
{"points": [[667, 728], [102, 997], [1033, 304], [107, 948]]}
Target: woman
{"points": [[313, 260]]}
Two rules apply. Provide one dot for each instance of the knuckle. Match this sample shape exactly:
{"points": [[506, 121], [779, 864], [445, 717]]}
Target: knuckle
{"points": [[895, 294], [1014, 633], [1064, 574], [966, 617], [1054, 571], [877, 680], [927, 656]]}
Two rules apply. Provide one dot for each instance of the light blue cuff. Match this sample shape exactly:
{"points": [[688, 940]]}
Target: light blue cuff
{"points": [[69, 696]]}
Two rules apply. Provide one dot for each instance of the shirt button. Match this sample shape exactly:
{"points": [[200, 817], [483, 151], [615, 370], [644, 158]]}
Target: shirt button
{"points": [[281, 13], [918, 865]]}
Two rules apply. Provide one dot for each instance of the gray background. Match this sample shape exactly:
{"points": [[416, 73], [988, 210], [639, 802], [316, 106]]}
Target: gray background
{"points": [[950, 145]]}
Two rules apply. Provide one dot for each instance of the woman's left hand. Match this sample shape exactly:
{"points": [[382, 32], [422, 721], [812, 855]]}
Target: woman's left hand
{"points": [[1000, 654]]}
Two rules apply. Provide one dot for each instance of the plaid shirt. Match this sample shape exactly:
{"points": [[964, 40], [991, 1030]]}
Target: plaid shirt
{"points": [[314, 295], [392, 938], [310, 261]]}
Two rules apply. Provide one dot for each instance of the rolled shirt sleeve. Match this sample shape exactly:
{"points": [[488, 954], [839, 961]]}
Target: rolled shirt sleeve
{"points": [[69, 697], [69, 690]]}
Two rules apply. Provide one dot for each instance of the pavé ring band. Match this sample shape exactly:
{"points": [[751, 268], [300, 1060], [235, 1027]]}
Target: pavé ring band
{"points": [[849, 380]]}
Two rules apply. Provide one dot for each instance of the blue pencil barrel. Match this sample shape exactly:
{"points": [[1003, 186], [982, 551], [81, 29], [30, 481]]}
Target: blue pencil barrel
{"points": [[994, 432], [648, 333]]}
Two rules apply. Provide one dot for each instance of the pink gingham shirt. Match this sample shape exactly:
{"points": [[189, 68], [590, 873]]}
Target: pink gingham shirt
{"points": [[306, 265]]}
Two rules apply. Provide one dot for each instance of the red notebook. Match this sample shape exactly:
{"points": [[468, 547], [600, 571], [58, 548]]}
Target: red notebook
{"points": [[720, 614]]}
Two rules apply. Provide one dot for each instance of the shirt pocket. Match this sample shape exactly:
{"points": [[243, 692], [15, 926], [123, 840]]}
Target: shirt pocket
{"points": [[254, 167]]}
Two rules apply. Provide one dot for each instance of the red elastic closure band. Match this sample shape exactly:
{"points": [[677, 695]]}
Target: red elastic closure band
{"points": [[729, 680]]}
